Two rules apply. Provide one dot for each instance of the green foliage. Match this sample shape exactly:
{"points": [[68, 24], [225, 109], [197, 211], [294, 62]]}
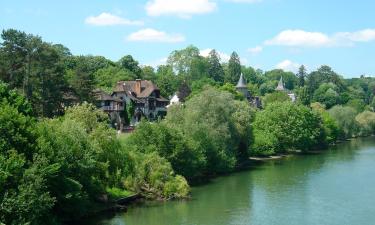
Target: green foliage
{"points": [[324, 74], [278, 96], [35, 68], [232, 89], [153, 175], [234, 69], [330, 125], [301, 76], [366, 120], [293, 126], [170, 144], [345, 118], [106, 78], [327, 94], [215, 70], [128, 63], [303, 95], [207, 122], [356, 104], [289, 78]]}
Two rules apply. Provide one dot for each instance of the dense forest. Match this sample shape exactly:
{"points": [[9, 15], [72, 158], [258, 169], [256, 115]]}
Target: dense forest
{"points": [[59, 160]]}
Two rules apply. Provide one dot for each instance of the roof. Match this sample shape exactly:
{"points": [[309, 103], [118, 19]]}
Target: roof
{"points": [[100, 95], [147, 87], [241, 82], [280, 85]]}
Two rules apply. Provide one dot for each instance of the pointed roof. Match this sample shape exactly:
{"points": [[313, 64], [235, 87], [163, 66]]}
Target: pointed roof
{"points": [[241, 82], [280, 85]]}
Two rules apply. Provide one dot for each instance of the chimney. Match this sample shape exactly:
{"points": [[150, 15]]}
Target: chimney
{"points": [[137, 86]]}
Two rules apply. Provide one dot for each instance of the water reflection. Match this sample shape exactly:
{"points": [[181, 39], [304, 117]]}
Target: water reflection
{"points": [[335, 187]]}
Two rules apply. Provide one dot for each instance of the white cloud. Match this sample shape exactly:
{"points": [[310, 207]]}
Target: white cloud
{"points": [[288, 65], [223, 56], [107, 19], [301, 38], [152, 35], [255, 50], [365, 35], [181, 8]]}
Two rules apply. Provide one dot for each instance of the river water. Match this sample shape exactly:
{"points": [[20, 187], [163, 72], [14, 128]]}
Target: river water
{"points": [[336, 187]]}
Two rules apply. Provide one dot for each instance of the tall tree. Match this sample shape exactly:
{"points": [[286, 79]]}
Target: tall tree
{"points": [[301, 75], [34, 67], [127, 62], [234, 68], [215, 70], [181, 60]]}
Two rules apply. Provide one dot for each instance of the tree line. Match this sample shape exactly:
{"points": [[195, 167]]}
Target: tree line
{"points": [[58, 161]]}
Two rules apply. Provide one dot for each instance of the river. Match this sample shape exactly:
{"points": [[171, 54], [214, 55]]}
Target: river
{"points": [[336, 187]]}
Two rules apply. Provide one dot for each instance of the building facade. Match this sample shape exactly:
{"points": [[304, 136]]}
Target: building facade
{"points": [[131, 101]]}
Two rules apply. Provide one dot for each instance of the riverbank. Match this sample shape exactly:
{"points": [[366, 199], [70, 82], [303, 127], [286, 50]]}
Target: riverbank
{"points": [[253, 163], [301, 189]]}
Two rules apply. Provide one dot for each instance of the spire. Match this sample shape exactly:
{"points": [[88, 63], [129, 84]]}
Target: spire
{"points": [[241, 82], [280, 85]]}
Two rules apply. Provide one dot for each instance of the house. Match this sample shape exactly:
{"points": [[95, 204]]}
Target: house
{"points": [[242, 88], [174, 100], [280, 87], [132, 100]]}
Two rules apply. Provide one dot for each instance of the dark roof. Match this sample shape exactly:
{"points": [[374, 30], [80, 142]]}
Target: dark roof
{"points": [[100, 95], [147, 87], [129, 87], [241, 82]]}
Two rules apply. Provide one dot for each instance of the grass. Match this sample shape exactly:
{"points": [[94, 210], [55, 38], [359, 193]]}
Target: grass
{"points": [[117, 193]]}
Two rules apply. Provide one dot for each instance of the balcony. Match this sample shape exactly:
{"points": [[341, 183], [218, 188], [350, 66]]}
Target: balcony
{"points": [[112, 108]]}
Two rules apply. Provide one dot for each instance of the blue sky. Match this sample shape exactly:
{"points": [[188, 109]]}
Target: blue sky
{"points": [[266, 34]]}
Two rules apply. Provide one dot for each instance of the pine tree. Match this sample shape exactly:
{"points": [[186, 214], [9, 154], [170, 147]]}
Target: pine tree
{"points": [[301, 75], [234, 69], [215, 70]]}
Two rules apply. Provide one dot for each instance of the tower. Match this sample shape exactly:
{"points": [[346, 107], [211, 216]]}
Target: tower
{"points": [[242, 88]]}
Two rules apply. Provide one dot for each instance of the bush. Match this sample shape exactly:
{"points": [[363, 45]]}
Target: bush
{"points": [[366, 120], [154, 177], [293, 126], [345, 118]]}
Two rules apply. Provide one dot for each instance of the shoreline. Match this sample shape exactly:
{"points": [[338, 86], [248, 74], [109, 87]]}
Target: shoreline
{"points": [[115, 207]]}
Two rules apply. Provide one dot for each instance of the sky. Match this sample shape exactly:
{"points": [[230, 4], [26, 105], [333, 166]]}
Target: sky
{"points": [[266, 34]]}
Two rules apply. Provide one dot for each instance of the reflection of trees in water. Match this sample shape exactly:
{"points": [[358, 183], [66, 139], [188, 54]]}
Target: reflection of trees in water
{"points": [[223, 201], [277, 192], [289, 189]]}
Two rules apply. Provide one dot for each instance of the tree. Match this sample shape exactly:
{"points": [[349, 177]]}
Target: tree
{"points": [[234, 69], [303, 96], [183, 91], [345, 118], [301, 76], [106, 78], [36, 68], [356, 104], [327, 94], [166, 80], [330, 125], [215, 70], [214, 125], [284, 126], [324, 74], [127, 62], [366, 120], [277, 96], [181, 60], [148, 73]]}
